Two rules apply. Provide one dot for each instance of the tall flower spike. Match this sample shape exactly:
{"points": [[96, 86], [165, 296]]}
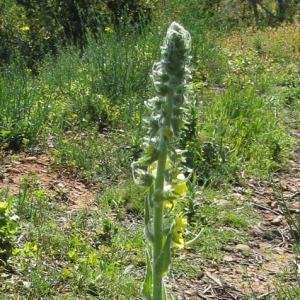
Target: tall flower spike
{"points": [[161, 161]]}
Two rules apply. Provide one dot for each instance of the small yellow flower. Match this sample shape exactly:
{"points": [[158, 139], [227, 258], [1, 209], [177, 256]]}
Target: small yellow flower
{"points": [[282, 257], [108, 29], [168, 165], [167, 132], [150, 150], [174, 174], [28, 71], [25, 28], [74, 116], [3, 205], [180, 123], [170, 204], [180, 225], [105, 249], [181, 187]]}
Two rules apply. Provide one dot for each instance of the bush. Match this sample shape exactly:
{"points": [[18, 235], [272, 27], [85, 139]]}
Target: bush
{"points": [[33, 28]]}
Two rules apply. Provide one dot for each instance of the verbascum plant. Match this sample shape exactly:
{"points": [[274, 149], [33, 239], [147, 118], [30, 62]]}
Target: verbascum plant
{"points": [[160, 168]]}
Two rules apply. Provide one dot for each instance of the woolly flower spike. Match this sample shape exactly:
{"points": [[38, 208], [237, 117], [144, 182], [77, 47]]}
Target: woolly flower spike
{"points": [[175, 51], [180, 225], [170, 72], [159, 169]]}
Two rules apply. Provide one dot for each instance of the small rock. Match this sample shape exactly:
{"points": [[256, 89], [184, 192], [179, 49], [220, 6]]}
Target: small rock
{"points": [[226, 203], [225, 271], [228, 258], [200, 275], [8, 180], [255, 231], [277, 250], [12, 170], [31, 158], [277, 221], [241, 247]]}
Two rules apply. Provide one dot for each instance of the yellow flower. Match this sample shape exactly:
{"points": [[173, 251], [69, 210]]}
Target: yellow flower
{"points": [[105, 249], [282, 257], [180, 225], [108, 29], [166, 132], [169, 165], [150, 150], [25, 28], [170, 204], [74, 116], [3, 205], [181, 187]]}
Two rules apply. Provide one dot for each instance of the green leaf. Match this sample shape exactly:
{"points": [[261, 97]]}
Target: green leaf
{"points": [[164, 292], [147, 285], [147, 231], [164, 260]]}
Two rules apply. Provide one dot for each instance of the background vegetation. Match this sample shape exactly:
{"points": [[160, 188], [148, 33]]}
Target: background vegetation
{"points": [[74, 77]]}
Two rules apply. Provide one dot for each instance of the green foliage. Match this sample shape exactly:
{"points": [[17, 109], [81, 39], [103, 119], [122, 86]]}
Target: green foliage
{"points": [[237, 127], [83, 107], [33, 28], [292, 289], [24, 114], [87, 251], [8, 226]]}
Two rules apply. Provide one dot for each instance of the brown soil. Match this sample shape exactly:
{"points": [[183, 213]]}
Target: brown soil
{"points": [[59, 182], [252, 274], [246, 273]]}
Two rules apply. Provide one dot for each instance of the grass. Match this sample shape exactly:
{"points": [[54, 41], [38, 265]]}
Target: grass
{"points": [[86, 254], [85, 110]]}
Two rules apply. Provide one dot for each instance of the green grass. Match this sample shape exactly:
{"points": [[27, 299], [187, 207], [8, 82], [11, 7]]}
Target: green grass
{"points": [[85, 109], [86, 254]]}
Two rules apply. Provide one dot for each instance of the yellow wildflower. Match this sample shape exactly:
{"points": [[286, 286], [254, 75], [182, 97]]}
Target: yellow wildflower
{"points": [[170, 204], [166, 132], [282, 257], [180, 225], [108, 29], [3, 205], [25, 28], [150, 150], [181, 187]]}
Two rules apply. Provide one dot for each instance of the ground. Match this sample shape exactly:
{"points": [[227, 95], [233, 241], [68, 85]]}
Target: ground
{"points": [[245, 270]]}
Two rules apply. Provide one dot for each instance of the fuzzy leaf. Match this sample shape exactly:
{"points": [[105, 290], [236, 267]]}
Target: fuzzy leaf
{"points": [[147, 285], [163, 262]]}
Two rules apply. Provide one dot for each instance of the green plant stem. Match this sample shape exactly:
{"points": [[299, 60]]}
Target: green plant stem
{"points": [[158, 207]]}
